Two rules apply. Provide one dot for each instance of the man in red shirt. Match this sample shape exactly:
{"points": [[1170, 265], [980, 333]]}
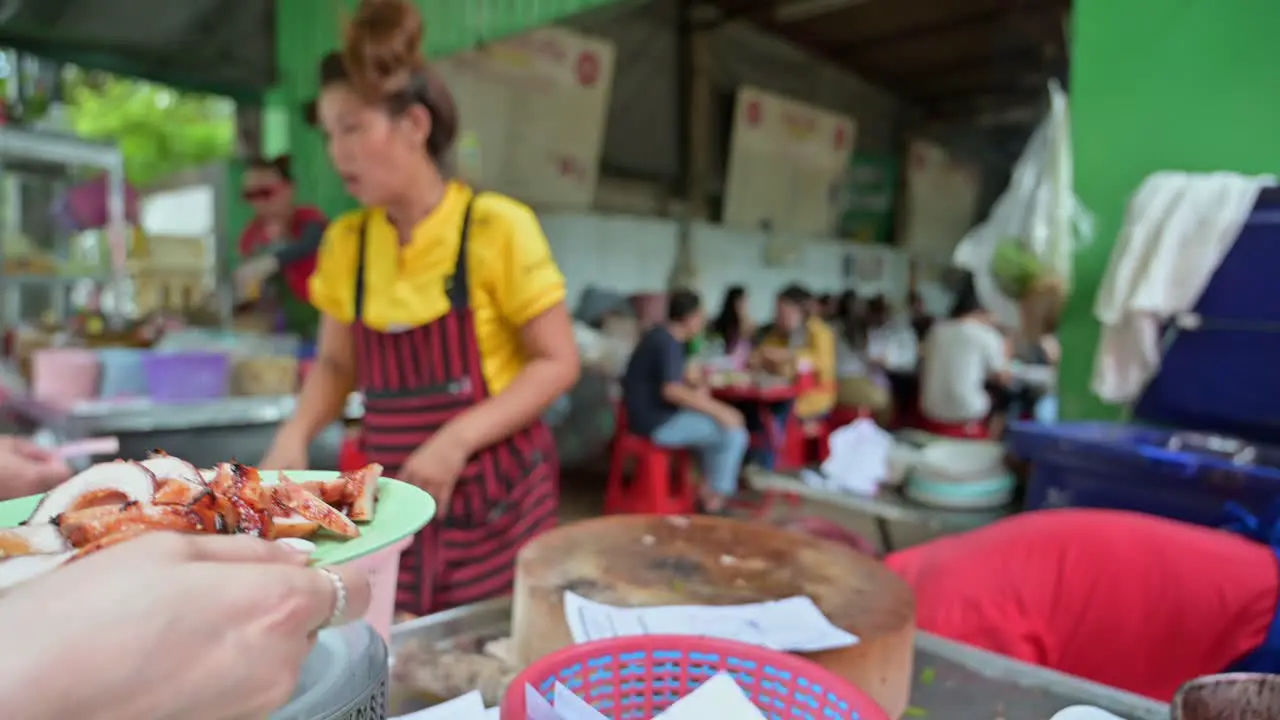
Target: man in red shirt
{"points": [[1130, 600], [282, 241]]}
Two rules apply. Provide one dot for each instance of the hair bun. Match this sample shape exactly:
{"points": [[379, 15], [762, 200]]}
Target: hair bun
{"points": [[383, 47]]}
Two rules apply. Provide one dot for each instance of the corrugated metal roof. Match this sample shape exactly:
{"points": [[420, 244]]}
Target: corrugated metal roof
{"points": [[308, 31], [210, 45], [229, 46]]}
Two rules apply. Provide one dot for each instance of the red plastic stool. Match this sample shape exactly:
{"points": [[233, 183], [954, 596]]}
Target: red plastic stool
{"points": [[973, 430], [794, 453], [655, 486]]}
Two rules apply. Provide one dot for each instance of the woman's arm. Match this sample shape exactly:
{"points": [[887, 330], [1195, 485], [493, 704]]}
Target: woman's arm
{"points": [[551, 370], [528, 289], [1001, 353], [330, 381]]}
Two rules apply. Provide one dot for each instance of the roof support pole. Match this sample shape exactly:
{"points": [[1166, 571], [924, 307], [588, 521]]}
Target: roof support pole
{"points": [[693, 108]]}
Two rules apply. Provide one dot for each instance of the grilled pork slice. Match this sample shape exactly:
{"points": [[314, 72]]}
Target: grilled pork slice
{"points": [[293, 525], [362, 492], [168, 467], [236, 480], [178, 492], [123, 533], [293, 496], [332, 492], [83, 527], [110, 483]]}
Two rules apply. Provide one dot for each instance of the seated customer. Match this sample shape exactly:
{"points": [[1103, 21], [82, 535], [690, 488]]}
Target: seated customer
{"points": [[918, 316], [795, 338], [891, 342], [960, 357], [861, 384], [798, 337], [660, 405], [734, 328]]}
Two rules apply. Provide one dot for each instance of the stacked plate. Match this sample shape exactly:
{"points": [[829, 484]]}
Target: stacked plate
{"points": [[961, 475]]}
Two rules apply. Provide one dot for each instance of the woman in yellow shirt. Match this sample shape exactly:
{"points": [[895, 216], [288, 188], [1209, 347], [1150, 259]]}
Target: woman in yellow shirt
{"points": [[445, 308], [797, 337]]}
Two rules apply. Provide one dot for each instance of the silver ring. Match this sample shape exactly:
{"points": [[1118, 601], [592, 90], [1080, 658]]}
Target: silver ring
{"points": [[339, 597]]}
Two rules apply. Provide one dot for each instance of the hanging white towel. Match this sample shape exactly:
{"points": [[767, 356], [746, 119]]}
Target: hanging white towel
{"points": [[1178, 228]]}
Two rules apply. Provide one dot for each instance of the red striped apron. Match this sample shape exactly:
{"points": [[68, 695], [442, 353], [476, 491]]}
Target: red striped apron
{"points": [[416, 381]]}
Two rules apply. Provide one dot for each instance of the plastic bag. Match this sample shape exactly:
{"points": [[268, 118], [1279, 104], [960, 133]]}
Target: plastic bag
{"points": [[1032, 232]]}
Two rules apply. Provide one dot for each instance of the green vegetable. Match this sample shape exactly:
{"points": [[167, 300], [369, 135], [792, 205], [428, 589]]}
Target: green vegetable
{"points": [[1015, 269]]}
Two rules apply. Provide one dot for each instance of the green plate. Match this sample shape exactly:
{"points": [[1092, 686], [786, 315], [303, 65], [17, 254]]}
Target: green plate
{"points": [[402, 510]]}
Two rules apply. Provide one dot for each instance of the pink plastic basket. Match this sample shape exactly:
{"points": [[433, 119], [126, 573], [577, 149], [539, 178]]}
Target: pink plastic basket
{"points": [[384, 570], [635, 678], [64, 376], [187, 376]]}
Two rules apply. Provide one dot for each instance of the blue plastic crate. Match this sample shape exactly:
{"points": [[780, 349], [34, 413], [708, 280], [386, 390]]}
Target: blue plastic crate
{"points": [[1222, 376], [1132, 467], [1219, 378]]}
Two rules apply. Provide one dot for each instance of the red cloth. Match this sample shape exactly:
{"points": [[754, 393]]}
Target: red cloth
{"points": [[254, 240], [1130, 600]]}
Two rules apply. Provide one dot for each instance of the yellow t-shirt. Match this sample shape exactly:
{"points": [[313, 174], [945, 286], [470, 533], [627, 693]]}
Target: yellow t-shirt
{"points": [[821, 351], [512, 276]]}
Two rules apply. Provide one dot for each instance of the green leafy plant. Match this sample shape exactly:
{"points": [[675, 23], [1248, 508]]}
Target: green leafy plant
{"points": [[160, 130]]}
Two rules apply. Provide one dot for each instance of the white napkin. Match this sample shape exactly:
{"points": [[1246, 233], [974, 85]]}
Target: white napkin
{"points": [[858, 460]]}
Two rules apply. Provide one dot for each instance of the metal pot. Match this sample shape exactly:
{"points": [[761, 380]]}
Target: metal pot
{"points": [[1230, 696], [344, 678]]}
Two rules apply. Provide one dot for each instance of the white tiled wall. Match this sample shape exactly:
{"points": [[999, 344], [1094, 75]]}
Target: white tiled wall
{"points": [[635, 254], [630, 253]]}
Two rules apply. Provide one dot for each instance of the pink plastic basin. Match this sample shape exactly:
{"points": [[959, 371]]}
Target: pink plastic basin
{"points": [[64, 376], [384, 571]]}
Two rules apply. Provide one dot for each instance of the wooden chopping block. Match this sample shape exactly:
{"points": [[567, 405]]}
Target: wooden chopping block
{"points": [[647, 560]]}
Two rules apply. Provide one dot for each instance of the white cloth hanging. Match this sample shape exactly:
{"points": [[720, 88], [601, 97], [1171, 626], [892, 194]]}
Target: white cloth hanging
{"points": [[1177, 230]]}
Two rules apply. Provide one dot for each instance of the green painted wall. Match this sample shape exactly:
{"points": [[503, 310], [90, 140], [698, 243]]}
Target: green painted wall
{"points": [[308, 29], [1160, 85]]}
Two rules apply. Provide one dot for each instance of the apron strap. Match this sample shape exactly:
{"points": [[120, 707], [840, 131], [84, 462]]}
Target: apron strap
{"points": [[459, 285], [360, 248]]}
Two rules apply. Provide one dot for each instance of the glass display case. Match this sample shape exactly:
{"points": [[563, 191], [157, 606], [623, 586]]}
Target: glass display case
{"points": [[55, 262]]}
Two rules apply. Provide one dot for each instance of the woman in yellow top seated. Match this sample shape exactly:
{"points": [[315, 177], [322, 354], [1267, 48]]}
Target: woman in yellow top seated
{"points": [[445, 308], [798, 338]]}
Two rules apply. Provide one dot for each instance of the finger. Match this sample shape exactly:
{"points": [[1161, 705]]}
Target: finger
{"points": [[32, 451], [332, 595], [222, 548], [244, 548], [55, 470], [443, 496]]}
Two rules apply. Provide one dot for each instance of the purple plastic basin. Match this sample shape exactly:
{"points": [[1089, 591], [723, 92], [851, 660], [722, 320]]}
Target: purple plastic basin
{"points": [[187, 376]]}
